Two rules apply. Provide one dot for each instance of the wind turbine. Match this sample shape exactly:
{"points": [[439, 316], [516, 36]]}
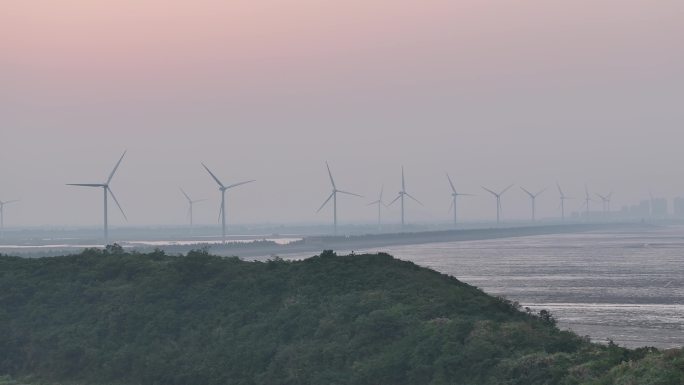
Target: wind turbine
{"points": [[380, 203], [401, 196], [107, 191], [533, 198], [587, 201], [498, 201], [563, 198], [605, 199], [2, 216], [222, 189], [190, 204], [333, 196], [454, 198]]}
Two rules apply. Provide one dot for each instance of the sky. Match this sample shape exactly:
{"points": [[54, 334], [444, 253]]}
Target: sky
{"points": [[494, 92]]}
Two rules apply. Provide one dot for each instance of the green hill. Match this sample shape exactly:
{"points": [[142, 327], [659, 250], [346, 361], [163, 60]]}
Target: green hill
{"points": [[109, 317]]}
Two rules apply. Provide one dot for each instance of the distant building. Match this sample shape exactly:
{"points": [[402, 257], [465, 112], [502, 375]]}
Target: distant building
{"points": [[637, 211], [642, 210], [659, 207], [678, 205]]}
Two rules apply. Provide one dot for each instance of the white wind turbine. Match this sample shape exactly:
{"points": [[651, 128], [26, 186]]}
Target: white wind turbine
{"points": [[498, 201], [333, 196], [107, 191], [223, 189], [605, 199], [401, 196], [454, 198], [190, 204], [587, 201], [533, 199], [563, 198], [380, 204], [2, 215]]}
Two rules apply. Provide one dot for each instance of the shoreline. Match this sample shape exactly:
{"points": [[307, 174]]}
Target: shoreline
{"points": [[317, 243]]}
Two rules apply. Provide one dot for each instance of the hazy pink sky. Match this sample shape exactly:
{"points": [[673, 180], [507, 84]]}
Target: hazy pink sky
{"points": [[271, 89]]}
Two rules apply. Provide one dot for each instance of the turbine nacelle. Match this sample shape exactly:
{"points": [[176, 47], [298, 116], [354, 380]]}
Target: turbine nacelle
{"points": [[222, 189], [333, 196], [401, 194], [107, 191], [498, 199]]}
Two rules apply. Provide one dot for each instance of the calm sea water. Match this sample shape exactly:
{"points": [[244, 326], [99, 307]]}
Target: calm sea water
{"points": [[628, 287]]}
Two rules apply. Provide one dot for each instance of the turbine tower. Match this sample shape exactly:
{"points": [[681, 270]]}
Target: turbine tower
{"points": [[587, 201], [498, 201], [333, 196], [380, 203], [454, 197], [563, 198], [401, 196], [2, 216], [107, 191], [605, 200], [190, 204], [533, 198], [223, 189]]}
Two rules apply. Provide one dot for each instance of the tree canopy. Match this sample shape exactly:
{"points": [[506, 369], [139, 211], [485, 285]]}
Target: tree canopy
{"points": [[112, 317]]}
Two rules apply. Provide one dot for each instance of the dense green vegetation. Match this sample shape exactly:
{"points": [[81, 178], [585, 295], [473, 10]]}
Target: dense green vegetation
{"points": [[109, 317]]}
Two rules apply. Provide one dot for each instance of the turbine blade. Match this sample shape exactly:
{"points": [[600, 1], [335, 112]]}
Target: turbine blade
{"points": [[560, 191], [489, 191], [395, 199], [349, 193], [200, 200], [326, 201], [451, 183], [86, 184], [218, 220], [213, 176], [382, 187], [527, 192], [116, 167], [409, 195], [451, 206], [332, 181], [540, 192], [506, 189], [117, 202], [374, 203], [240, 184], [12, 201], [186, 195]]}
